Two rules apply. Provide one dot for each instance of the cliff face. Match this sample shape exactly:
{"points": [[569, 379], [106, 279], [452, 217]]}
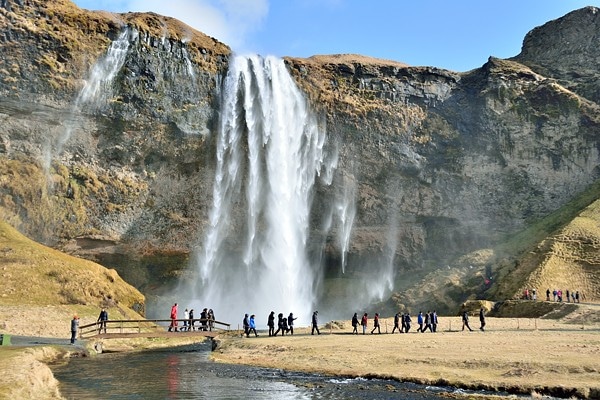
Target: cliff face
{"points": [[443, 164]]}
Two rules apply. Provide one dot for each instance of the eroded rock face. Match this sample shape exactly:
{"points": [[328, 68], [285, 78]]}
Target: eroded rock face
{"points": [[443, 163]]}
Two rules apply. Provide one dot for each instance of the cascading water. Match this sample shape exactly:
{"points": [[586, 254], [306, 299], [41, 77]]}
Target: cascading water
{"points": [[346, 210], [270, 149], [97, 88]]}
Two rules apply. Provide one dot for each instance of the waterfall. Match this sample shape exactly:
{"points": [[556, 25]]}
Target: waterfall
{"points": [[345, 208], [96, 91], [269, 151]]}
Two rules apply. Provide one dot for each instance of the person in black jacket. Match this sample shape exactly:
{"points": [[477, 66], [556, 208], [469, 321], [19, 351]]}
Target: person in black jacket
{"points": [[407, 321], [465, 320], [355, 324], [290, 321], [246, 325], [102, 318], [396, 323], [482, 318], [315, 324], [271, 323]]}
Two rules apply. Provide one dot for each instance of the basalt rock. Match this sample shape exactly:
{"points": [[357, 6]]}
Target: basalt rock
{"points": [[444, 163]]}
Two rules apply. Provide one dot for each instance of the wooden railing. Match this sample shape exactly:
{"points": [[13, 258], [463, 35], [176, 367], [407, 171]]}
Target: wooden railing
{"points": [[129, 326]]}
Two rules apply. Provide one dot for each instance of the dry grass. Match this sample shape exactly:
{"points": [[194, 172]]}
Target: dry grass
{"points": [[47, 280], [557, 358]]}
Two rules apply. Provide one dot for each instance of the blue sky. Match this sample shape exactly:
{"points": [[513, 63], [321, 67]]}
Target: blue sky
{"points": [[454, 34]]}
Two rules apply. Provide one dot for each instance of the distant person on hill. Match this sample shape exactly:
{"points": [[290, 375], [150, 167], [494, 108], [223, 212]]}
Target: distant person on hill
{"points": [[252, 326], [534, 294], [315, 324], [290, 322], [102, 318], [70, 192], [271, 323], [376, 324], [465, 320], [577, 296], [554, 294], [173, 317], [407, 322], [420, 322], [547, 294], [481, 318], [74, 328], [396, 322], [355, 324], [363, 322], [568, 296]]}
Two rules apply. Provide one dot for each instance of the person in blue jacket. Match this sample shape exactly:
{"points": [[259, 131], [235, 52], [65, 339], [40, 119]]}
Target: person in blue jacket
{"points": [[252, 326]]}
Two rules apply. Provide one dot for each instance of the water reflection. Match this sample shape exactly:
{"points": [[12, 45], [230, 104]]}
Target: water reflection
{"points": [[186, 373]]}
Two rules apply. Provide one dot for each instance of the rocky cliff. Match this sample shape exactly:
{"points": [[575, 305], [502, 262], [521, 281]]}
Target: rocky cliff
{"points": [[446, 167]]}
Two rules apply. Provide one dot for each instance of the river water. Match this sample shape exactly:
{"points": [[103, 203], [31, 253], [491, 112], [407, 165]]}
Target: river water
{"points": [[187, 373]]}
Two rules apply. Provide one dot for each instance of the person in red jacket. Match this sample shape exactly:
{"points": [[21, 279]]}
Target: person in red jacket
{"points": [[376, 324], [173, 325], [364, 322]]}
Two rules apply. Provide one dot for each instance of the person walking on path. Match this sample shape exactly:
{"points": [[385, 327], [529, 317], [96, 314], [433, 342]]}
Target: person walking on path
{"points": [[102, 318], [173, 317], [252, 326], [481, 318], [420, 322], [376, 324], [271, 323], [246, 325], [465, 321], [364, 322], [355, 324], [280, 327], [290, 321], [548, 294], [434, 321], [74, 328], [427, 323], [403, 323], [315, 323], [407, 321], [396, 322]]}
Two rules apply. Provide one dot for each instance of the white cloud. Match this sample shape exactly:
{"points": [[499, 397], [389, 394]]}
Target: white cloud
{"points": [[230, 21]]}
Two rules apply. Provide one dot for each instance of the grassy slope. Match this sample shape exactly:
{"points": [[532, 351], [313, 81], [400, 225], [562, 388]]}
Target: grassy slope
{"points": [[560, 252], [37, 280]]}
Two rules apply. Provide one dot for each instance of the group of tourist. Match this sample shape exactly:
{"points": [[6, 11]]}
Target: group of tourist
{"points": [[284, 324], [557, 296], [207, 320]]}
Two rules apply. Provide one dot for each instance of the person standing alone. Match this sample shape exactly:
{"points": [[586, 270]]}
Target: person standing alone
{"points": [[74, 328], [102, 318], [315, 324], [482, 318]]}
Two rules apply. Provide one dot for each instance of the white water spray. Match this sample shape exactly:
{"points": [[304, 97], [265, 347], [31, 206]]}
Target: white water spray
{"points": [[270, 149], [346, 211], [97, 89]]}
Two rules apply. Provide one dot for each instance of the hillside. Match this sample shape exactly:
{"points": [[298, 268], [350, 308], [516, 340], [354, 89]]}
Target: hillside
{"points": [[41, 286]]}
